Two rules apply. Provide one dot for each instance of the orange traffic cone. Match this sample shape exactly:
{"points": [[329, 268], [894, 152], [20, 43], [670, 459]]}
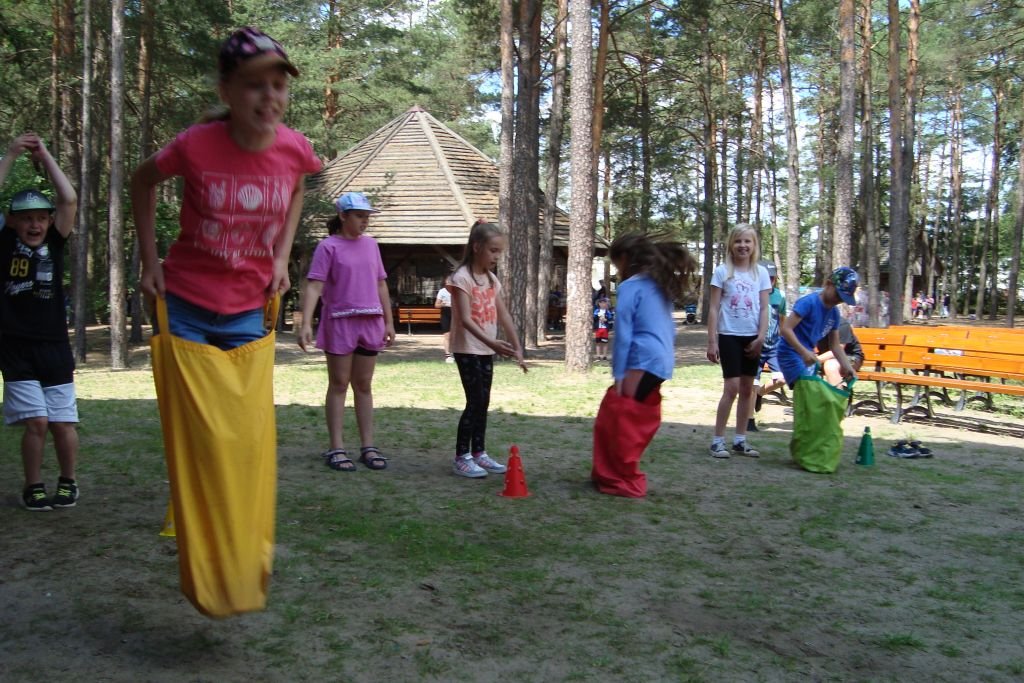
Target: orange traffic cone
{"points": [[515, 480]]}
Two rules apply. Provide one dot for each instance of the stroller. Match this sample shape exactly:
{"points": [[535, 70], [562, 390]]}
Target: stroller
{"points": [[691, 314]]}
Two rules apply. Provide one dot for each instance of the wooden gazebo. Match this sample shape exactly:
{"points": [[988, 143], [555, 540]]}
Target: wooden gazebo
{"points": [[430, 185]]}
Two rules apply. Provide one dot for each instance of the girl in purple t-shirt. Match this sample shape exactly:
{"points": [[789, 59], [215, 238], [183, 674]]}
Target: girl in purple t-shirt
{"points": [[355, 324]]}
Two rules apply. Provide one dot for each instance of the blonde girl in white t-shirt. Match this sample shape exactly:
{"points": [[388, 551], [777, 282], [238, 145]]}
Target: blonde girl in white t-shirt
{"points": [[737, 323], [477, 310]]}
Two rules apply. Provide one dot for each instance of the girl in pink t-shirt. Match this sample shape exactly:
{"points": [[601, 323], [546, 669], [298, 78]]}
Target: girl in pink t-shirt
{"points": [[244, 177], [355, 324], [477, 310]]}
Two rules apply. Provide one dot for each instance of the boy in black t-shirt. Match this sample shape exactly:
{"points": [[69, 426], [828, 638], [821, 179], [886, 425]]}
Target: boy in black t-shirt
{"points": [[35, 355]]}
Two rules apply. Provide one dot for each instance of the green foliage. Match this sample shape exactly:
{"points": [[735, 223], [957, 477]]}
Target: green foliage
{"points": [[22, 176]]}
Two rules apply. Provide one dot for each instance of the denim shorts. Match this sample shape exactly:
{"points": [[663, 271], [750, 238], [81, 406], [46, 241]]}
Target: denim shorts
{"points": [[204, 326]]}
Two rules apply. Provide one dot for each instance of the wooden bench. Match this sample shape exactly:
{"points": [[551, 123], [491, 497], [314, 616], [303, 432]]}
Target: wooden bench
{"points": [[940, 359], [417, 315]]}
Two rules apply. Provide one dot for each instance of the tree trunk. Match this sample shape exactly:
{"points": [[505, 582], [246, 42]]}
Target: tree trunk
{"points": [[645, 146], [68, 141], [872, 246], [825, 156], [80, 242], [897, 180], [956, 201], [147, 11], [722, 174], [334, 43], [555, 129], [521, 279], [115, 235], [600, 68], [991, 200], [508, 92], [792, 161], [581, 220], [1018, 235], [756, 164], [842, 226], [707, 209]]}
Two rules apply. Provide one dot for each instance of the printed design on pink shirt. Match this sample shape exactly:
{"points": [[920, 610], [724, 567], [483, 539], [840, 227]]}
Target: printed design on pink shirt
{"points": [[483, 310], [740, 302], [242, 215]]}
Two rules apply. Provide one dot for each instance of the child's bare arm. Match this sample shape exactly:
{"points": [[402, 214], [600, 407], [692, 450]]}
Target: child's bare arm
{"points": [[385, 304], [311, 290], [143, 195], [18, 146], [787, 333], [713, 304], [505, 320], [67, 198], [280, 282]]}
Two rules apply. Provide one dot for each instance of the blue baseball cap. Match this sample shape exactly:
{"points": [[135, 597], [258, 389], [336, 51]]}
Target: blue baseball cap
{"points": [[846, 280], [354, 201], [30, 200]]}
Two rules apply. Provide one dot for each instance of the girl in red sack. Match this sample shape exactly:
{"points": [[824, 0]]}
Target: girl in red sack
{"points": [[653, 275]]}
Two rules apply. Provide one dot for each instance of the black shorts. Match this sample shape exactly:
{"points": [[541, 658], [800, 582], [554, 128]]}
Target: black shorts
{"points": [[48, 362], [446, 318], [734, 362]]}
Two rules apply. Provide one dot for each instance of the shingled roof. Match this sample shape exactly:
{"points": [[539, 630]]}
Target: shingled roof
{"points": [[429, 183]]}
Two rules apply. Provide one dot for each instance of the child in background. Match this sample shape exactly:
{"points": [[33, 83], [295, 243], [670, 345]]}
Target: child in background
{"points": [[604, 320], [477, 311], [851, 347], [776, 314], [443, 301], [737, 324], [355, 324], [35, 354], [653, 276], [814, 317]]}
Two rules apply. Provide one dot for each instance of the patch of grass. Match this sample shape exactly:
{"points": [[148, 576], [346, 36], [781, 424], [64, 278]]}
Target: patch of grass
{"points": [[949, 650], [1014, 667], [899, 642]]}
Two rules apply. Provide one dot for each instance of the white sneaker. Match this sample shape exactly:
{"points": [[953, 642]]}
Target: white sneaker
{"points": [[718, 450], [465, 466], [449, 358], [488, 463]]}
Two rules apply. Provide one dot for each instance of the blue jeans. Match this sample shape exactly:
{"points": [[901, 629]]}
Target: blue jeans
{"points": [[198, 324]]}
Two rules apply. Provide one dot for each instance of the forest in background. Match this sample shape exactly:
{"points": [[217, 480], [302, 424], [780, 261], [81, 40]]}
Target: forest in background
{"points": [[883, 134]]}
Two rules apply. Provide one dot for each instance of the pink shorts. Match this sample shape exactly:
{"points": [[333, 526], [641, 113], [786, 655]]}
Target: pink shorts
{"points": [[342, 336]]}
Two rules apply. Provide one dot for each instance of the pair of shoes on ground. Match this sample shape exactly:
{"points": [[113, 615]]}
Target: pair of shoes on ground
{"points": [[337, 459], [909, 450], [476, 466], [719, 450], [34, 497]]}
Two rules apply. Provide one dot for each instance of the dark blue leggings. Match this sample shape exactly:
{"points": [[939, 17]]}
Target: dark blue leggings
{"points": [[476, 373]]}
